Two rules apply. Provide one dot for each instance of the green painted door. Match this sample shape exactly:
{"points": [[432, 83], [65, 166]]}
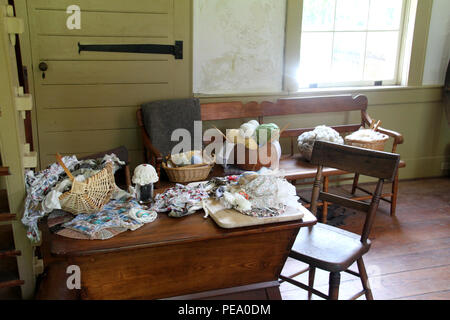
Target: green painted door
{"points": [[86, 102]]}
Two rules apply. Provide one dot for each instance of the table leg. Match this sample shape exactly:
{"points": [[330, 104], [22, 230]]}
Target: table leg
{"points": [[273, 293], [394, 195]]}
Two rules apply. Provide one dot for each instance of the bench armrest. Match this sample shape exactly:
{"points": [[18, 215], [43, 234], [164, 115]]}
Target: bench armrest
{"points": [[398, 137]]}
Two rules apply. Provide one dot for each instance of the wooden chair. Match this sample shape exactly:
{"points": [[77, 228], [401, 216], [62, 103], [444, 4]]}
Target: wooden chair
{"points": [[333, 249]]}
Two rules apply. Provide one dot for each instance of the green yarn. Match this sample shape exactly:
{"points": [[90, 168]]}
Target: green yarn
{"points": [[265, 132]]}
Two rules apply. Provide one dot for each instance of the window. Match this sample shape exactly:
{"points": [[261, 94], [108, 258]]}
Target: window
{"points": [[350, 42]]}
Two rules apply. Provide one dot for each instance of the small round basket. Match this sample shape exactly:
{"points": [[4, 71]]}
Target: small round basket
{"points": [[376, 143], [88, 196], [196, 172], [189, 173]]}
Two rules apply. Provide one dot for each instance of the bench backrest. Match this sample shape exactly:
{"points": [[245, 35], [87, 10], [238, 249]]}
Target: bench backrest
{"points": [[230, 110], [290, 106], [310, 105], [284, 107]]}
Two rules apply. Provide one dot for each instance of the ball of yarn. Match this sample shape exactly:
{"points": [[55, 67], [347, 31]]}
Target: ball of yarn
{"points": [[266, 132], [196, 159], [248, 129]]}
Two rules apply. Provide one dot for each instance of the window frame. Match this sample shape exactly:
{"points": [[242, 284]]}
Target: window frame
{"points": [[415, 23], [366, 83]]}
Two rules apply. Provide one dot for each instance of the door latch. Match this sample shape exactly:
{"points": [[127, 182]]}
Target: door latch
{"points": [[43, 67]]}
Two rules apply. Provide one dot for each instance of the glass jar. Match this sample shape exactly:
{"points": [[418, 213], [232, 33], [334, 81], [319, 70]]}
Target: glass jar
{"points": [[144, 193]]}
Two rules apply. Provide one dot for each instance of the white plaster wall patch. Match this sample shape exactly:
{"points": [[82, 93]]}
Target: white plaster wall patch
{"points": [[238, 45]]}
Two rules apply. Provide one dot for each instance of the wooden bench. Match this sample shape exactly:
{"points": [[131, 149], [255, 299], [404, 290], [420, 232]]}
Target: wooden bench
{"points": [[209, 112], [296, 168], [292, 164]]}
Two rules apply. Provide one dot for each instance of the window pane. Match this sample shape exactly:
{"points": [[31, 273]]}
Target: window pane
{"points": [[381, 55], [318, 15], [362, 36], [315, 58], [385, 14], [352, 15], [348, 56]]}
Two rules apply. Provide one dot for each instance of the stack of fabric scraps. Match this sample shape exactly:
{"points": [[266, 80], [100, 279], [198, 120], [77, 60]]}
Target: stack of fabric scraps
{"points": [[258, 195], [180, 200], [45, 187], [116, 217]]}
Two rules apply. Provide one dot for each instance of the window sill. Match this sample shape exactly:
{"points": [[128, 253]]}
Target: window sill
{"points": [[386, 95], [342, 90], [312, 91]]}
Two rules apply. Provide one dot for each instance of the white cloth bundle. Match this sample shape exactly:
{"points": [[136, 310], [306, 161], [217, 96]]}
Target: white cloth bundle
{"points": [[320, 133], [145, 174], [366, 135], [248, 129]]}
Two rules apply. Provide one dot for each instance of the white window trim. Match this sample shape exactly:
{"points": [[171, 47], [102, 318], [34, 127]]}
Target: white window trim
{"points": [[367, 83], [415, 26]]}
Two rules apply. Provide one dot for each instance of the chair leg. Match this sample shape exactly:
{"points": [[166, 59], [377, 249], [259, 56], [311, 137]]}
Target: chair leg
{"points": [[355, 183], [394, 195], [333, 290], [364, 279], [325, 204], [127, 176], [311, 276]]}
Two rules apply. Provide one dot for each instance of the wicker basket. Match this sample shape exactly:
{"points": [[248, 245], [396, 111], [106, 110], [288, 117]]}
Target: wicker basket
{"points": [[196, 172], [90, 195], [375, 144]]}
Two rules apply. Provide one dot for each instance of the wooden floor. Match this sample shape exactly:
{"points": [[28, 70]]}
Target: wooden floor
{"points": [[410, 253]]}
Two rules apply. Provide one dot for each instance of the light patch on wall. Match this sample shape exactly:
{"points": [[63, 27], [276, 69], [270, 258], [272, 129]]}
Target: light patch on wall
{"points": [[438, 49], [238, 46]]}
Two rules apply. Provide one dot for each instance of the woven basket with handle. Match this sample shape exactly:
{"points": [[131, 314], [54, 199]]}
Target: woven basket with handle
{"points": [[375, 144], [88, 196]]}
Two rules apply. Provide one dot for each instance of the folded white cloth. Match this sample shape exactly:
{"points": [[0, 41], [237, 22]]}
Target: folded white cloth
{"points": [[51, 201]]}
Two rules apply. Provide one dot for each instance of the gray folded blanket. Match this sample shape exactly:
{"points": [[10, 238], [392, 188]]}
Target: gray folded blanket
{"points": [[161, 118]]}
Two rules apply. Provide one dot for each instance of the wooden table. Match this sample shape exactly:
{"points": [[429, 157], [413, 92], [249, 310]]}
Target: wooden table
{"points": [[170, 258]]}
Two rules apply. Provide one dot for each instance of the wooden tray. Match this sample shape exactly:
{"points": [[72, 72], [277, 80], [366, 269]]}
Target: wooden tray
{"points": [[229, 218]]}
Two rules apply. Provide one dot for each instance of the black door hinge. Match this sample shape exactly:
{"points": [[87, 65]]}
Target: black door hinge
{"points": [[175, 50]]}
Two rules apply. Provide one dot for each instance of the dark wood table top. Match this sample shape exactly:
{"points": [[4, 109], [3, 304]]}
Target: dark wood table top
{"points": [[166, 231]]}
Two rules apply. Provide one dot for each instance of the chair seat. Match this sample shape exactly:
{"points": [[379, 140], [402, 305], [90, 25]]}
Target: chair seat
{"points": [[328, 248]]}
